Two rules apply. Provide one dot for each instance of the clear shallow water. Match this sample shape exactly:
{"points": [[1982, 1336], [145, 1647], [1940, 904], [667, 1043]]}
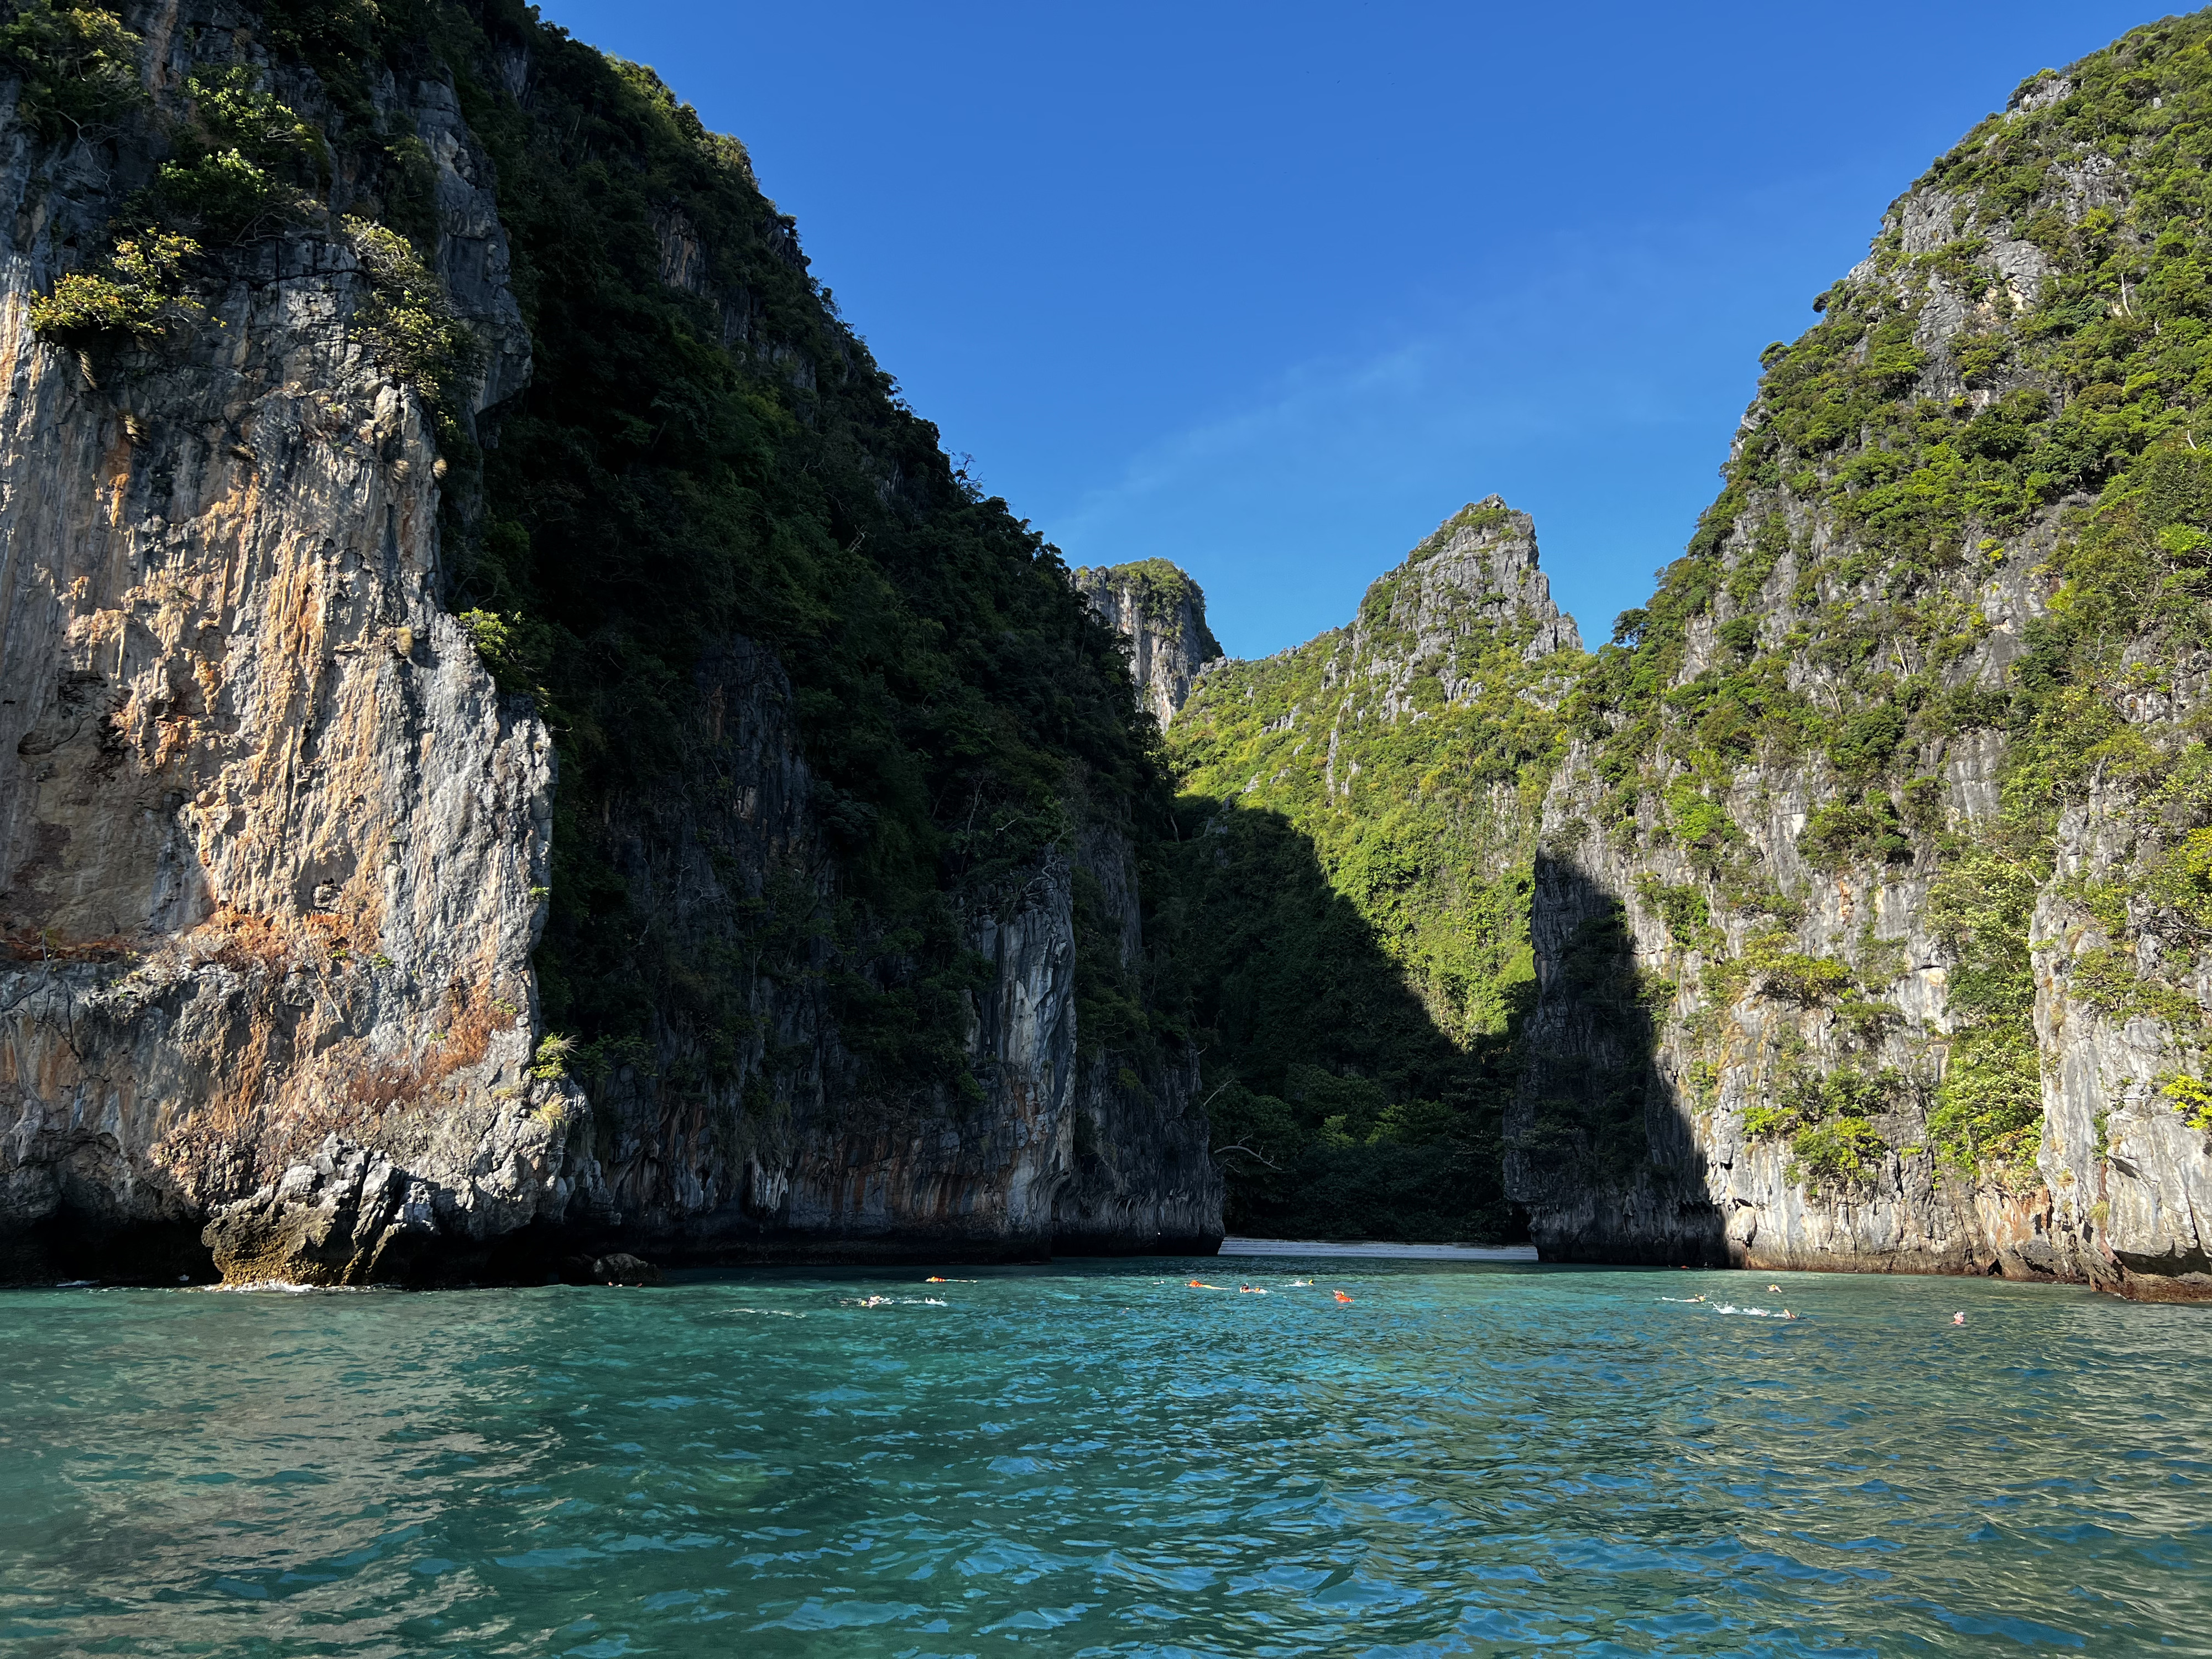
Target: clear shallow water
{"points": [[1099, 1460]]}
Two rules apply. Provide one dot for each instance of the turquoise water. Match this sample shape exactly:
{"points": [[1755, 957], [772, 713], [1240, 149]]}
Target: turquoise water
{"points": [[1096, 1459]]}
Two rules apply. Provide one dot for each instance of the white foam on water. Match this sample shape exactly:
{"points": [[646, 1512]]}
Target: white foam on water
{"points": [[1385, 1250], [286, 1287]]}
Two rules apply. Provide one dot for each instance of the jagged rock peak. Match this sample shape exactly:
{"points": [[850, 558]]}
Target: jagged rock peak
{"points": [[1161, 612], [1476, 568]]}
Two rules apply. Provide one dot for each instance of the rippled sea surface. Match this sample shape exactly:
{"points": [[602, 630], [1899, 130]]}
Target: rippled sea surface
{"points": [[1099, 1459]]}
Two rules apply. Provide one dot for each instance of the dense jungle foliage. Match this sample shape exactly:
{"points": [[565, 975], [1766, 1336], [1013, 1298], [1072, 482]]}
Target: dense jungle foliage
{"points": [[690, 463]]}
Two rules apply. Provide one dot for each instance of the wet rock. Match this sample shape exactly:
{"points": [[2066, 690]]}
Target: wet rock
{"points": [[623, 1269], [348, 1215]]}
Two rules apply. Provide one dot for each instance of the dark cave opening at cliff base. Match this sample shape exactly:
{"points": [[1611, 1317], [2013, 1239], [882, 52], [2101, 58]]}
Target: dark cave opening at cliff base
{"points": [[1355, 1116]]}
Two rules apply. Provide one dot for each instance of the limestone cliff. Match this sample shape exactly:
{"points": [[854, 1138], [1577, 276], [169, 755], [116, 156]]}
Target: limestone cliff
{"points": [[1160, 612], [1867, 918], [279, 812], [273, 844]]}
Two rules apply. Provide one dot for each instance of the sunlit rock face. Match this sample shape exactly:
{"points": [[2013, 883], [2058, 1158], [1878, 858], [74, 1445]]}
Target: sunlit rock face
{"points": [[1161, 612], [273, 844]]}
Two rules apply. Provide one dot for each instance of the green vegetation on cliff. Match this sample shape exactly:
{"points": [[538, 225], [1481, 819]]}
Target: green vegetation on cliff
{"points": [[1994, 428], [1360, 821], [661, 485], [2025, 353]]}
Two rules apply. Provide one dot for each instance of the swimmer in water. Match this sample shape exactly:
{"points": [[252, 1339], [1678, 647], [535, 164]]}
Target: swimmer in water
{"points": [[1341, 1297], [1958, 1319], [1786, 1314], [1774, 1287]]}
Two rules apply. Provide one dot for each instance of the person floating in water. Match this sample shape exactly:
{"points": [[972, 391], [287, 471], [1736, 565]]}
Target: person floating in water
{"points": [[1958, 1319], [1341, 1297]]}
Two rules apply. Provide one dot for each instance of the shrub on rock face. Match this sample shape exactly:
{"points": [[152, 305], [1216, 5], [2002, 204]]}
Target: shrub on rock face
{"points": [[2192, 1098], [1840, 837], [139, 296], [1793, 975], [79, 67], [1845, 1152]]}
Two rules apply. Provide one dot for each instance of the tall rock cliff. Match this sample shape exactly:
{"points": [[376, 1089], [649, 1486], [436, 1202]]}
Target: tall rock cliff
{"points": [[1356, 902], [1160, 612], [1870, 914], [515, 742]]}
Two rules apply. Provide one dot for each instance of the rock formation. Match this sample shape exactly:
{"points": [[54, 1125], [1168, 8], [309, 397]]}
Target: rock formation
{"points": [[1864, 916], [1161, 613], [276, 848], [519, 757], [1358, 945]]}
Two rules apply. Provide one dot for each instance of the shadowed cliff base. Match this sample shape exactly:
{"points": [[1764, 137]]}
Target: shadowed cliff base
{"points": [[1339, 1110], [1596, 1144]]}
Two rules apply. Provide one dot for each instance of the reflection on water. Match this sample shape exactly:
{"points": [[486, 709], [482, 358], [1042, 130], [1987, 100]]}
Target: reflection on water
{"points": [[1465, 1458]]}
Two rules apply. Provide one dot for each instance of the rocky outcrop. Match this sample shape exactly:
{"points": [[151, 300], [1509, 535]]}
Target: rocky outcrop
{"points": [[1357, 897], [275, 849], [1161, 612]]}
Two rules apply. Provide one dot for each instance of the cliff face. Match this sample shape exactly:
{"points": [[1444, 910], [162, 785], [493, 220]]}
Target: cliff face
{"points": [[273, 844], [1160, 612], [277, 848], [1867, 920]]}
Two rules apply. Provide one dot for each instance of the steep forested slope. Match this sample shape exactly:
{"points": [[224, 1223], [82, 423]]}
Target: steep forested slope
{"points": [[1898, 781], [1849, 908], [1354, 889]]}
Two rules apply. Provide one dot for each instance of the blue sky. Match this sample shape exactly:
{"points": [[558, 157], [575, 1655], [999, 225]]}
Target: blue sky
{"points": [[1269, 290]]}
